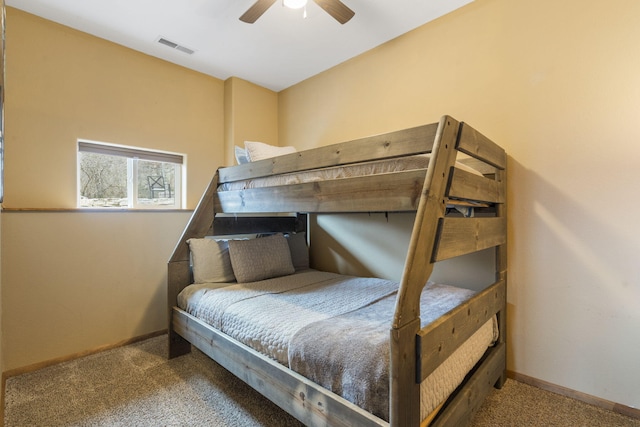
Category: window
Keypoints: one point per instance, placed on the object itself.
(114, 176)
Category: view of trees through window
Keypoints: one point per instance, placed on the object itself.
(118, 181)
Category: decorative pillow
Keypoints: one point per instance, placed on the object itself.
(259, 259)
(259, 150)
(241, 155)
(299, 250)
(210, 261)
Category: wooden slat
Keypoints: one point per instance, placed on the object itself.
(461, 236)
(386, 192)
(442, 337)
(468, 186)
(394, 144)
(476, 145)
(303, 399)
(200, 222)
(462, 407)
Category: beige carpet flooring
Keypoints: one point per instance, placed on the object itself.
(137, 386)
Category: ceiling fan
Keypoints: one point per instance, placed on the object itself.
(335, 8)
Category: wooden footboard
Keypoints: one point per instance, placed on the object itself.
(316, 406)
(310, 403)
(439, 340)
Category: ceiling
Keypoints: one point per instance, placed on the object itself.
(281, 49)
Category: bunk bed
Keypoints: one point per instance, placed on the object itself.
(458, 211)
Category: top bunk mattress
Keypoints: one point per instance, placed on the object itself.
(398, 164)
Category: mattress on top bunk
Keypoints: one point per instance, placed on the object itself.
(334, 329)
(398, 164)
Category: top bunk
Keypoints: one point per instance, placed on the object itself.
(382, 173)
(457, 167)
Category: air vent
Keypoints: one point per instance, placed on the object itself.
(176, 46)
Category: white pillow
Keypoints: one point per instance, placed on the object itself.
(210, 261)
(259, 150)
(262, 258)
(241, 155)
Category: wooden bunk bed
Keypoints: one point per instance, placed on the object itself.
(415, 351)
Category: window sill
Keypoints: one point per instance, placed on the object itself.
(94, 210)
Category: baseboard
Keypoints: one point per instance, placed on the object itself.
(577, 395)
(40, 365)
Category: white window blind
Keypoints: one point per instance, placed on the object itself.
(135, 153)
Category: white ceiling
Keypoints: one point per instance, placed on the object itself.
(279, 50)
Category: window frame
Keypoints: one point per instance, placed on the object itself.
(133, 156)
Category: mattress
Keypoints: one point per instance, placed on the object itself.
(399, 164)
(284, 317)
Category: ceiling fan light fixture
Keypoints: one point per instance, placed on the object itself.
(294, 4)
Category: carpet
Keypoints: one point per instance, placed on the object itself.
(136, 385)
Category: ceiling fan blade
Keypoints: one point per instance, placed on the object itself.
(256, 11)
(338, 10)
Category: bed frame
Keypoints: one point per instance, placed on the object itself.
(436, 236)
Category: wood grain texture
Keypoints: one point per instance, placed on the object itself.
(416, 140)
(395, 192)
(256, 11)
(461, 236)
(467, 186)
(305, 400)
(435, 236)
(502, 268)
(200, 223)
(179, 277)
(404, 405)
(480, 147)
(431, 208)
(464, 404)
(404, 411)
(338, 10)
(442, 337)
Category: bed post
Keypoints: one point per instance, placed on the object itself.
(179, 269)
(404, 407)
(501, 271)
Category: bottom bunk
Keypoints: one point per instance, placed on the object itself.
(318, 343)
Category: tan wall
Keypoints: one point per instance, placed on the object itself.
(557, 85)
(74, 281)
(251, 114)
(77, 281)
(63, 85)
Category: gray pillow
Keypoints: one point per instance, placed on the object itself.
(299, 250)
(210, 261)
(259, 259)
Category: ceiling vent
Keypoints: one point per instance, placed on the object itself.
(176, 46)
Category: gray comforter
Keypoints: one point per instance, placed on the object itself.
(349, 354)
(333, 329)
